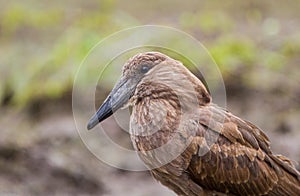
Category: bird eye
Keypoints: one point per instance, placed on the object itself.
(145, 68)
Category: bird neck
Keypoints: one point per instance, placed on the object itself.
(155, 107)
(159, 102)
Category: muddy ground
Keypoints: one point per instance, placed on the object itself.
(41, 152)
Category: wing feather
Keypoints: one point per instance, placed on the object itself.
(238, 159)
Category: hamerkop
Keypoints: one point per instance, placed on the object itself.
(190, 144)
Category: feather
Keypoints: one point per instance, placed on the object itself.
(221, 154)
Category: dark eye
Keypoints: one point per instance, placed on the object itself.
(145, 68)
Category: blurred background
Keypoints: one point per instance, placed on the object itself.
(256, 45)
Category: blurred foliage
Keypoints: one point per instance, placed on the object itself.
(256, 45)
(230, 53)
(43, 45)
(45, 66)
(210, 22)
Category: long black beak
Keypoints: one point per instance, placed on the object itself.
(103, 113)
(118, 97)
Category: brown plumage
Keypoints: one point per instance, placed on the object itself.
(191, 145)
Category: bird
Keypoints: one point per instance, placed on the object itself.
(190, 144)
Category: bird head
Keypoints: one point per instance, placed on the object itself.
(140, 69)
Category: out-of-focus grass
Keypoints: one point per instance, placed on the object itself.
(256, 45)
(42, 45)
(42, 48)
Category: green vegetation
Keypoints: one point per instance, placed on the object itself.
(255, 43)
(42, 46)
